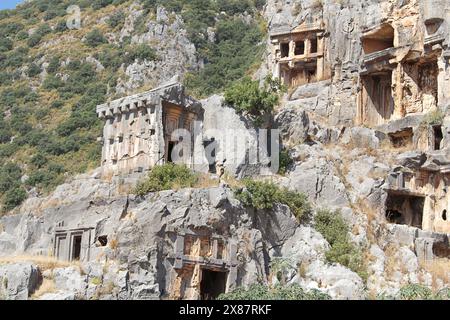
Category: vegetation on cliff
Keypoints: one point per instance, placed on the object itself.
(264, 195)
(336, 231)
(52, 77)
(167, 177)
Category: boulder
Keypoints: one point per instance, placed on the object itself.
(18, 281)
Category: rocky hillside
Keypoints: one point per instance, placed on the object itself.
(58, 62)
(358, 209)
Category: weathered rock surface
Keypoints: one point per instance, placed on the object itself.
(18, 281)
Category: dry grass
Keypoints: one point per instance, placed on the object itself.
(47, 286)
(43, 262)
(391, 262)
(114, 243)
(387, 145)
(205, 181)
(439, 268)
(231, 181)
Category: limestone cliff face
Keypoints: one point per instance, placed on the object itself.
(378, 157)
(143, 236)
(177, 54)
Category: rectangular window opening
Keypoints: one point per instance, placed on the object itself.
(299, 48)
(76, 247)
(213, 284)
(405, 209)
(438, 137)
(284, 48)
(313, 45)
(402, 138)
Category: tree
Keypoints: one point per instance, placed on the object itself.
(247, 97)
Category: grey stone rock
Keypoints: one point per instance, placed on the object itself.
(60, 295)
(361, 138)
(70, 279)
(412, 159)
(18, 281)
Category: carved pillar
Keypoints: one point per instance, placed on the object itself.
(291, 49)
(179, 252)
(85, 245)
(321, 60)
(232, 275)
(307, 47)
(397, 81)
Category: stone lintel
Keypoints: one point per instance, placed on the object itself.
(404, 192)
(173, 93)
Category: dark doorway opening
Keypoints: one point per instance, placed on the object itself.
(380, 39)
(405, 209)
(103, 240)
(394, 216)
(438, 137)
(403, 138)
(441, 249)
(213, 284)
(170, 150)
(313, 45)
(284, 47)
(76, 247)
(377, 97)
(210, 150)
(299, 48)
(444, 215)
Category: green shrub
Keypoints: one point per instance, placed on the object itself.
(443, 294)
(16, 58)
(7, 150)
(61, 26)
(39, 160)
(5, 133)
(98, 4)
(14, 197)
(11, 28)
(415, 292)
(6, 44)
(5, 78)
(166, 177)
(33, 70)
(52, 82)
(37, 36)
(262, 292)
(233, 7)
(117, 20)
(336, 231)
(433, 118)
(110, 57)
(10, 175)
(263, 195)
(285, 162)
(53, 65)
(22, 35)
(141, 52)
(247, 97)
(237, 48)
(95, 38)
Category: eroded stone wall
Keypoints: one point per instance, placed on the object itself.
(138, 131)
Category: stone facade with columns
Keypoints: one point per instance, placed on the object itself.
(138, 129)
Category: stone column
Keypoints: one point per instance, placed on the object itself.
(320, 60)
(397, 83)
(424, 249)
(179, 252)
(232, 275)
(307, 47)
(291, 49)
